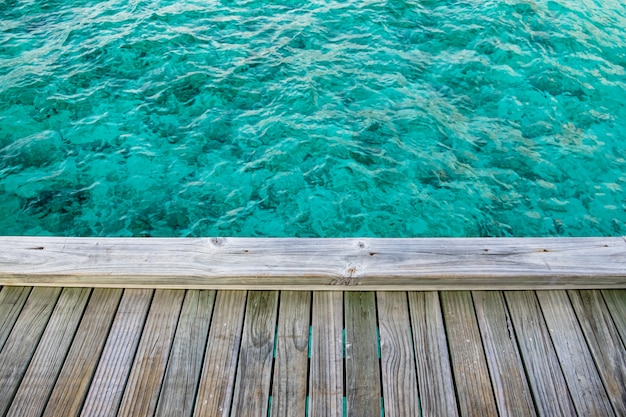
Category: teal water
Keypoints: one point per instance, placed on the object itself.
(312, 118)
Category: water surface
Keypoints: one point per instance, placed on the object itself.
(312, 118)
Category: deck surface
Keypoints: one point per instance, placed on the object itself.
(167, 352)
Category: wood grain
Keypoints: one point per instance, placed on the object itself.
(254, 370)
(23, 340)
(363, 391)
(144, 382)
(399, 379)
(326, 379)
(215, 391)
(545, 377)
(178, 391)
(583, 380)
(330, 264)
(80, 364)
(616, 303)
(12, 299)
(513, 395)
(56, 340)
(292, 348)
(604, 343)
(469, 365)
(107, 387)
(436, 385)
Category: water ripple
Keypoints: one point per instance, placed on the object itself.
(318, 118)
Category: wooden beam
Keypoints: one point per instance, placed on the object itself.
(315, 264)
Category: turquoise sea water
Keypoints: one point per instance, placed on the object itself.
(312, 118)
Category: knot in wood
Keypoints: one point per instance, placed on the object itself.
(218, 241)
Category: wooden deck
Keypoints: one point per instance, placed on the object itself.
(168, 352)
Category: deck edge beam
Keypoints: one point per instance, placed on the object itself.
(314, 264)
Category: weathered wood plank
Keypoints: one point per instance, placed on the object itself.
(331, 264)
(326, 379)
(469, 365)
(107, 386)
(604, 343)
(363, 390)
(436, 386)
(215, 391)
(254, 370)
(545, 377)
(513, 395)
(183, 368)
(616, 303)
(583, 381)
(47, 361)
(73, 382)
(23, 340)
(144, 382)
(12, 299)
(292, 348)
(399, 379)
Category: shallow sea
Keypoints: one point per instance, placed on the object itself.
(313, 118)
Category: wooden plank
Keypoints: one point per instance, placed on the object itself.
(107, 386)
(292, 348)
(616, 303)
(144, 382)
(583, 381)
(544, 373)
(215, 391)
(330, 264)
(12, 299)
(436, 386)
(39, 379)
(183, 369)
(363, 390)
(326, 380)
(508, 379)
(23, 340)
(217, 381)
(604, 343)
(474, 391)
(254, 370)
(399, 378)
(73, 382)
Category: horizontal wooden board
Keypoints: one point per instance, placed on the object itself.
(318, 264)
